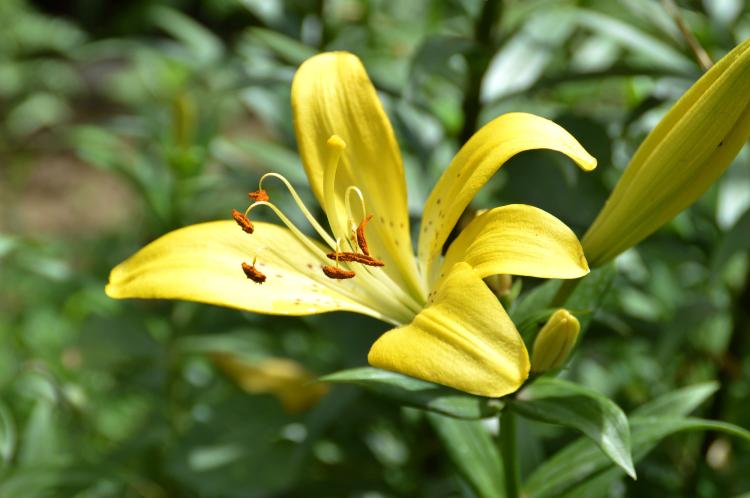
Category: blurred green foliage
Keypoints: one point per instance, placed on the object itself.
(120, 122)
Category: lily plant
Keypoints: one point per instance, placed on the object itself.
(449, 328)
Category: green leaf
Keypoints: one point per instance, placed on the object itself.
(473, 452)
(267, 155)
(533, 309)
(677, 403)
(647, 432)
(7, 435)
(418, 393)
(290, 50)
(649, 49)
(735, 240)
(561, 402)
(580, 468)
(589, 295)
(203, 45)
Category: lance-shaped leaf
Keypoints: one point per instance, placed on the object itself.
(418, 393)
(473, 452)
(561, 402)
(581, 463)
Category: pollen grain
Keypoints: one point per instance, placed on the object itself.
(253, 273)
(259, 195)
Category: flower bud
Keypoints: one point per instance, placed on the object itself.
(554, 342)
(687, 151)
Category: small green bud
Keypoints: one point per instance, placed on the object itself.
(554, 342)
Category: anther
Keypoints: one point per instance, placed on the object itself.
(354, 257)
(337, 273)
(361, 240)
(259, 195)
(253, 273)
(243, 221)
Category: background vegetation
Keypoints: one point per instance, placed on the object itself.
(122, 120)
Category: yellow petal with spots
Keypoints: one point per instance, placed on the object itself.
(463, 339)
(519, 240)
(477, 161)
(332, 96)
(203, 263)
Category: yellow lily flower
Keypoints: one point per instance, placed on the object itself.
(693, 144)
(451, 329)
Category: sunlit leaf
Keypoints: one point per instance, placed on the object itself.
(561, 402)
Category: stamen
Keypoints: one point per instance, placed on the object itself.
(259, 195)
(306, 212)
(347, 199)
(347, 257)
(337, 273)
(253, 273)
(315, 249)
(361, 240)
(243, 221)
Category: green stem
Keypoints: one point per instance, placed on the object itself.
(509, 453)
(479, 60)
(564, 292)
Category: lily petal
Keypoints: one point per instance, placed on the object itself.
(477, 161)
(332, 95)
(519, 240)
(463, 339)
(203, 263)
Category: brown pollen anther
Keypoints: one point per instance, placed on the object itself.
(337, 273)
(259, 195)
(354, 257)
(243, 221)
(253, 273)
(361, 240)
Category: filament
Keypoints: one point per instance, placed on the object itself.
(286, 221)
(347, 198)
(306, 212)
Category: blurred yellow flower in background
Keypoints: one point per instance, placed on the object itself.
(286, 379)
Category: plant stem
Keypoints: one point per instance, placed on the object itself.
(509, 453)
(479, 60)
(564, 292)
(700, 54)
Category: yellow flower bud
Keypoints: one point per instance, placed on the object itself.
(555, 341)
(687, 151)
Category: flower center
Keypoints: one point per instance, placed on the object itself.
(350, 255)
